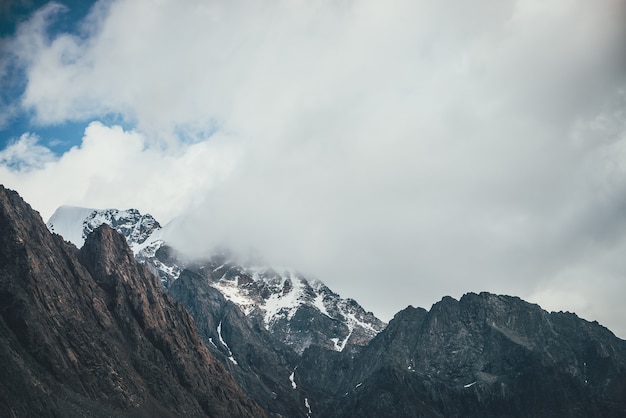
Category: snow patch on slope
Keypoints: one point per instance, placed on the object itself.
(286, 302)
(232, 292)
(292, 379)
(318, 302)
(230, 353)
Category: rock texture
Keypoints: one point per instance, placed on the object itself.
(485, 355)
(90, 332)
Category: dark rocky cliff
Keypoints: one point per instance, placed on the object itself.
(91, 333)
(485, 355)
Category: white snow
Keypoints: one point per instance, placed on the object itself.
(308, 407)
(172, 271)
(292, 379)
(469, 385)
(279, 303)
(318, 302)
(230, 353)
(353, 321)
(358, 385)
(67, 221)
(339, 346)
(234, 294)
(151, 244)
(218, 268)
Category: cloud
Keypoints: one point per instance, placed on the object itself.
(116, 168)
(399, 151)
(25, 154)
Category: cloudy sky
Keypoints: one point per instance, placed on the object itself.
(399, 151)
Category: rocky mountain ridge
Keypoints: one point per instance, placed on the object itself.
(295, 309)
(484, 355)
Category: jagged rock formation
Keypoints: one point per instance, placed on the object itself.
(484, 355)
(90, 332)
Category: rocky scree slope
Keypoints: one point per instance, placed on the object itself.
(90, 332)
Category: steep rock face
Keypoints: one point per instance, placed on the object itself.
(259, 362)
(91, 333)
(484, 355)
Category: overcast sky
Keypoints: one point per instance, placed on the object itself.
(399, 151)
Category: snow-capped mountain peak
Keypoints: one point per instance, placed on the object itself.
(300, 311)
(75, 223)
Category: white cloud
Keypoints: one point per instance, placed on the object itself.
(117, 168)
(399, 150)
(25, 154)
(598, 295)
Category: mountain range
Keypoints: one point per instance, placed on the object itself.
(108, 319)
(282, 300)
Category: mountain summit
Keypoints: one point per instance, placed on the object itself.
(75, 224)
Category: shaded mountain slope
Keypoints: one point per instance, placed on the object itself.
(90, 332)
(485, 355)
